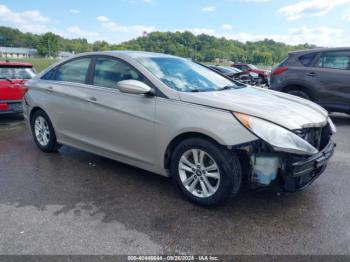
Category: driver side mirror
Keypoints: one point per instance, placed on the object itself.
(134, 87)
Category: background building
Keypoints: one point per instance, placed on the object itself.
(17, 52)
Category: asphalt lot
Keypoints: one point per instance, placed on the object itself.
(75, 202)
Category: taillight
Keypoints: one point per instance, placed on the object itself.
(279, 70)
(4, 106)
(24, 90)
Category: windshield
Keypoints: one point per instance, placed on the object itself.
(184, 75)
(252, 66)
(16, 72)
(225, 70)
(231, 69)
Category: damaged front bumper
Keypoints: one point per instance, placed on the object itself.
(285, 171)
(302, 173)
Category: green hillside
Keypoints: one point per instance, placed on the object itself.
(202, 47)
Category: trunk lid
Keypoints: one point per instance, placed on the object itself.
(12, 78)
(11, 90)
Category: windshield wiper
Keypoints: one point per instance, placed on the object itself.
(238, 86)
(227, 88)
(195, 90)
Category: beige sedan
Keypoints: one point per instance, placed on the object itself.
(178, 118)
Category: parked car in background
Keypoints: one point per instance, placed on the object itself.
(236, 74)
(263, 74)
(319, 75)
(180, 119)
(13, 75)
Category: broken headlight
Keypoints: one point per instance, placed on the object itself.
(278, 137)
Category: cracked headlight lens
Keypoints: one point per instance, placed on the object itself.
(278, 137)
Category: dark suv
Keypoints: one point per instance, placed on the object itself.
(320, 75)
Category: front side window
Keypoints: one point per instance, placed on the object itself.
(10, 72)
(184, 75)
(334, 60)
(73, 71)
(108, 72)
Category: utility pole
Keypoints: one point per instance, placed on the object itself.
(49, 48)
(194, 52)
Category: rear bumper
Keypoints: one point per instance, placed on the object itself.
(11, 106)
(303, 173)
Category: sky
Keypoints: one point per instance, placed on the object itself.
(320, 22)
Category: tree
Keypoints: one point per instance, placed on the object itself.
(48, 45)
(204, 48)
(100, 46)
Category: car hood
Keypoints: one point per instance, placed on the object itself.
(286, 110)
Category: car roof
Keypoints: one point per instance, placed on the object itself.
(136, 54)
(320, 49)
(14, 64)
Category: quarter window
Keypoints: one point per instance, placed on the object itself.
(74, 71)
(50, 75)
(306, 60)
(108, 72)
(335, 60)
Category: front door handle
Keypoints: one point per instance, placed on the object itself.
(49, 89)
(93, 99)
(312, 74)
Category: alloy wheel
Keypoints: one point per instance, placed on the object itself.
(199, 173)
(42, 131)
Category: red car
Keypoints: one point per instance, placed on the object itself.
(263, 74)
(13, 75)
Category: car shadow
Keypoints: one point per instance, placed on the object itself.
(10, 119)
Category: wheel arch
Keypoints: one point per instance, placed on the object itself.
(33, 111)
(300, 87)
(178, 139)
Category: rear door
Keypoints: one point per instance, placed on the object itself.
(66, 101)
(331, 74)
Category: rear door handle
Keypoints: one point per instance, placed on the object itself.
(312, 74)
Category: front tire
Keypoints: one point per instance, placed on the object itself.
(43, 132)
(205, 172)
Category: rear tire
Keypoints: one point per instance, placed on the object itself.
(205, 172)
(43, 132)
(299, 93)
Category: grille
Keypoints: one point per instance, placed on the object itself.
(317, 137)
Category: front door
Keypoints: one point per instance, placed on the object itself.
(123, 124)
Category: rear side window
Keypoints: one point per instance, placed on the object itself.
(108, 72)
(307, 59)
(73, 71)
(335, 60)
